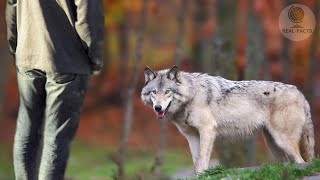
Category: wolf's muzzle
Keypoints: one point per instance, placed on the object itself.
(158, 108)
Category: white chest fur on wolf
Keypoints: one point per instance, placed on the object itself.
(204, 107)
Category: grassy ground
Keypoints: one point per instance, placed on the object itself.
(278, 171)
(89, 161)
(6, 167)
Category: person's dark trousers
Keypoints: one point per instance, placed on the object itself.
(52, 101)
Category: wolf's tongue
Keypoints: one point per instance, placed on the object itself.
(160, 114)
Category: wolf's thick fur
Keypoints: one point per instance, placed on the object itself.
(204, 107)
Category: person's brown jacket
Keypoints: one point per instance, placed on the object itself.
(55, 35)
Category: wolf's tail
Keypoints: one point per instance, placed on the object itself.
(307, 136)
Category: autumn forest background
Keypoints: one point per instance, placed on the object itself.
(120, 137)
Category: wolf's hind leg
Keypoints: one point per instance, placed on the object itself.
(307, 142)
(283, 148)
(276, 151)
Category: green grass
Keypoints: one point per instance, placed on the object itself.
(6, 166)
(288, 171)
(88, 161)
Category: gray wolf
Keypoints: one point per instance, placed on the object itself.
(56, 46)
(204, 107)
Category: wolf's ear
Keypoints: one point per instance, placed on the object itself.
(174, 74)
(149, 75)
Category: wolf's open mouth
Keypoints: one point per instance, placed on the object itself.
(161, 114)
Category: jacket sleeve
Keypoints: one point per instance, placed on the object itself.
(11, 21)
(90, 25)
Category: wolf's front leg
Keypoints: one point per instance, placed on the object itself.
(207, 136)
(194, 145)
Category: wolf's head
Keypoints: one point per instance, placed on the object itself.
(160, 89)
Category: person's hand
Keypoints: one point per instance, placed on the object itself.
(96, 66)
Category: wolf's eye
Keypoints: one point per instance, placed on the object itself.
(167, 92)
(154, 92)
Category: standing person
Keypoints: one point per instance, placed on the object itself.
(56, 46)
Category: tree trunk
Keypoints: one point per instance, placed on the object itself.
(313, 55)
(123, 52)
(285, 53)
(254, 52)
(273, 39)
(128, 106)
(241, 43)
(199, 17)
(231, 153)
(313, 93)
(4, 58)
(181, 32)
(156, 168)
(255, 56)
(224, 40)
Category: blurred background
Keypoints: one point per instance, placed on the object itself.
(120, 137)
